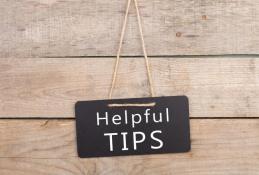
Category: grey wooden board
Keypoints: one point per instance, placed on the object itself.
(41, 28)
(219, 146)
(49, 87)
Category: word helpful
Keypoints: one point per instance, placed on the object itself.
(132, 119)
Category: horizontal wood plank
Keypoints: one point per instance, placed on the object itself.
(40, 28)
(217, 87)
(218, 147)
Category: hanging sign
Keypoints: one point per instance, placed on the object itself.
(132, 126)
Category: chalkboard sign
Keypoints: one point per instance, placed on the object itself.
(132, 126)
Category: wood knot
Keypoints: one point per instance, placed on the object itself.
(45, 123)
(178, 34)
(204, 17)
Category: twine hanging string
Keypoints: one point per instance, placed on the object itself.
(143, 48)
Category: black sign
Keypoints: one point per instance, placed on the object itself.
(132, 126)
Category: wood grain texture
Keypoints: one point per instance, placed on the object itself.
(218, 147)
(216, 87)
(50, 28)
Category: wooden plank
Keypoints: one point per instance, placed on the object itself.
(40, 28)
(219, 146)
(128, 165)
(218, 87)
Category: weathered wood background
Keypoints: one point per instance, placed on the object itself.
(54, 53)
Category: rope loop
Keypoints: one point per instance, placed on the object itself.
(143, 48)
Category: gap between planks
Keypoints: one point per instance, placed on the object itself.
(73, 118)
(164, 56)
